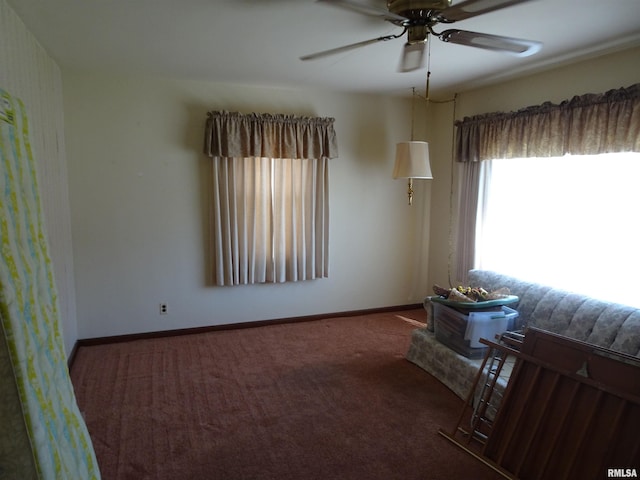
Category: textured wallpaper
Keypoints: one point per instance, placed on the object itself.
(27, 72)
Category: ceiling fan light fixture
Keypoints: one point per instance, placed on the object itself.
(412, 57)
(417, 34)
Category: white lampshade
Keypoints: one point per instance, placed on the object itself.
(412, 160)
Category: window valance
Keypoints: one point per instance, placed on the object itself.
(232, 134)
(585, 125)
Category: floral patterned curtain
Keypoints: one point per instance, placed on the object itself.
(236, 135)
(585, 125)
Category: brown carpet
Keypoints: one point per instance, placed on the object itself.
(326, 399)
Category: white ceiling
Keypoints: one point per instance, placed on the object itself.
(260, 41)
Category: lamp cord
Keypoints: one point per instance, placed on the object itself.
(453, 163)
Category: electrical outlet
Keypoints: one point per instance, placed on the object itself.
(164, 309)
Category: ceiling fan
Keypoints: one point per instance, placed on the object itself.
(418, 19)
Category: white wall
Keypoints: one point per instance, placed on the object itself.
(597, 75)
(139, 187)
(27, 72)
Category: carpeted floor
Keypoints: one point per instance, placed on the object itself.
(325, 399)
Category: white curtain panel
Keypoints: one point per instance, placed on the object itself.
(300, 219)
(270, 220)
(240, 213)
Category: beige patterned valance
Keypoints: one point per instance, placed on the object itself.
(232, 134)
(585, 125)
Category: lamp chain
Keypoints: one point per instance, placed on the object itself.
(413, 110)
(426, 88)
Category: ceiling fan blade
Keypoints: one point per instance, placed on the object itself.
(472, 8)
(364, 8)
(346, 48)
(412, 57)
(515, 46)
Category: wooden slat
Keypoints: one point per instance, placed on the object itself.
(581, 435)
(553, 444)
(615, 427)
(532, 436)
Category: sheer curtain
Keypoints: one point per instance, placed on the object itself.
(270, 209)
(585, 125)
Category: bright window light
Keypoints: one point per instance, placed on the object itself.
(569, 222)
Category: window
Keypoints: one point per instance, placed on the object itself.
(590, 124)
(569, 222)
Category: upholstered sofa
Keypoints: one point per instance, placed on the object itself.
(605, 324)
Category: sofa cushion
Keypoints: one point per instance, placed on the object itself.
(554, 310)
(606, 326)
(584, 318)
(628, 336)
